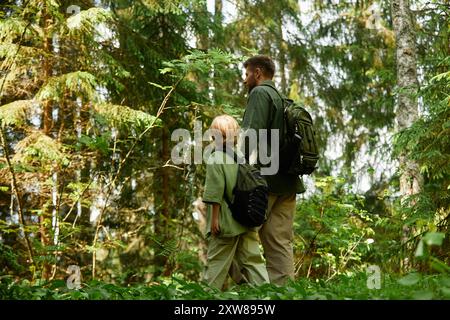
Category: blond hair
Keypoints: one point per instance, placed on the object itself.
(228, 127)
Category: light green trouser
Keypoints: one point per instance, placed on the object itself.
(244, 250)
(276, 236)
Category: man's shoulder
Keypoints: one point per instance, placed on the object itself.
(262, 88)
(265, 89)
(260, 94)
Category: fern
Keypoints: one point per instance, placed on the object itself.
(8, 51)
(124, 117)
(88, 20)
(168, 248)
(165, 7)
(75, 82)
(39, 149)
(11, 29)
(15, 113)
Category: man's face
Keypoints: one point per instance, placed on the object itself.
(250, 78)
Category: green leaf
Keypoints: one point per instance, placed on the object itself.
(124, 117)
(410, 279)
(15, 113)
(434, 238)
(38, 147)
(160, 86)
(88, 20)
(166, 70)
(420, 249)
(79, 82)
(445, 292)
(439, 77)
(316, 296)
(439, 266)
(423, 295)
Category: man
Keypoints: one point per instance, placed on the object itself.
(265, 111)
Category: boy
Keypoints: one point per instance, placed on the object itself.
(228, 239)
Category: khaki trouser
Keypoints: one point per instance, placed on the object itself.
(244, 250)
(276, 236)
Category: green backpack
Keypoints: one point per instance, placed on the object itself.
(299, 153)
(300, 146)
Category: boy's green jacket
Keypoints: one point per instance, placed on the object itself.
(221, 176)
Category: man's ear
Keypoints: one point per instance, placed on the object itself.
(258, 73)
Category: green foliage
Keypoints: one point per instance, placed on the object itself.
(86, 21)
(123, 117)
(78, 91)
(10, 259)
(413, 286)
(11, 28)
(97, 143)
(15, 113)
(427, 142)
(334, 233)
(39, 149)
(203, 62)
(424, 251)
(79, 82)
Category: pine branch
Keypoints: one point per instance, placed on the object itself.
(16, 192)
(6, 150)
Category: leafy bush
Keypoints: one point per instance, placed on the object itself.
(412, 286)
(333, 231)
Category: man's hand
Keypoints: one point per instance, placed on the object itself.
(215, 228)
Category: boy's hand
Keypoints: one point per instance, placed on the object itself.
(215, 228)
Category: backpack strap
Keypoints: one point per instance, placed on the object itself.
(230, 152)
(271, 86)
(284, 129)
(271, 109)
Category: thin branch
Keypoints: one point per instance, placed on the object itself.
(347, 254)
(78, 199)
(119, 169)
(5, 148)
(16, 192)
(172, 166)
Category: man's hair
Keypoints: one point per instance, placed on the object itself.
(263, 62)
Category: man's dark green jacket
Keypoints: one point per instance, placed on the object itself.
(265, 111)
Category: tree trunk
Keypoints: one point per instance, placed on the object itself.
(47, 127)
(281, 53)
(47, 69)
(218, 21)
(411, 180)
(218, 43)
(407, 108)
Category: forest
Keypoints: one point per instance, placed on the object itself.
(92, 205)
